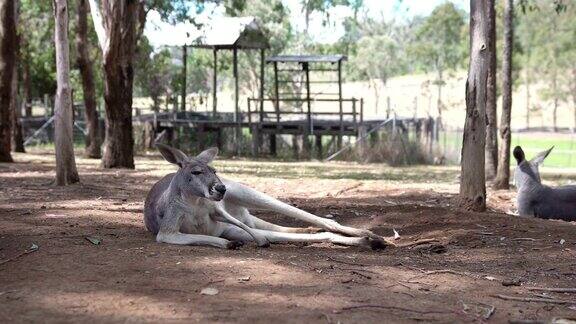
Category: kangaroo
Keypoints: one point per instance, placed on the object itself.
(536, 199)
(196, 207)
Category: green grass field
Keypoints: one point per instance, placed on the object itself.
(563, 155)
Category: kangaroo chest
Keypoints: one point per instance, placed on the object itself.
(195, 218)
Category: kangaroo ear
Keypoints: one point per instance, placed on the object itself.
(519, 154)
(171, 154)
(208, 155)
(539, 158)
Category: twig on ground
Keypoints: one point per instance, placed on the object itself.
(524, 239)
(392, 307)
(561, 290)
(348, 263)
(350, 269)
(411, 267)
(419, 242)
(18, 256)
(347, 189)
(361, 274)
(428, 273)
(535, 300)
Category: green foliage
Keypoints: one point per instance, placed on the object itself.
(439, 40)
(36, 29)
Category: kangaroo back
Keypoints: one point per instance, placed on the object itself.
(154, 207)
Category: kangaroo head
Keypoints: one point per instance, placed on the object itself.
(195, 178)
(526, 172)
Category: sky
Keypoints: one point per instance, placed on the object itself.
(160, 33)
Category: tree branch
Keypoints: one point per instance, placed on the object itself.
(99, 25)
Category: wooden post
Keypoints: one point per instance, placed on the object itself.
(355, 120)
(363, 147)
(361, 110)
(276, 109)
(276, 93)
(261, 102)
(214, 81)
(184, 63)
(46, 106)
(255, 140)
(340, 103)
(388, 107)
(319, 146)
(273, 145)
(308, 131)
(238, 133)
(262, 53)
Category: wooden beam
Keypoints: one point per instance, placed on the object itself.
(262, 65)
(276, 93)
(308, 131)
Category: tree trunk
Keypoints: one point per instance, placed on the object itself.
(93, 141)
(574, 96)
(491, 114)
(15, 112)
(503, 176)
(7, 62)
(472, 180)
(26, 88)
(116, 26)
(65, 164)
(527, 71)
(555, 101)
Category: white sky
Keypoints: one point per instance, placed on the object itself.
(161, 33)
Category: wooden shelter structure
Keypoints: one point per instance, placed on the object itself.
(306, 65)
(232, 34)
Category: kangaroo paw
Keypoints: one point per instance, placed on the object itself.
(234, 245)
(378, 244)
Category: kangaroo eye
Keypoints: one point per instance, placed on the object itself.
(196, 172)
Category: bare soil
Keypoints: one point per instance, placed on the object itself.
(129, 277)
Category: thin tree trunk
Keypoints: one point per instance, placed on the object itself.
(15, 112)
(528, 92)
(574, 96)
(116, 26)
(555, 101)
(15, 108)
(472, 183)
(503, 176)
(66, 172)
(491, 114)
(93, 141)
(26, 88)
(7, 62)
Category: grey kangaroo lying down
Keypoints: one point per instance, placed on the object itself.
(536, 199)
(195, 207)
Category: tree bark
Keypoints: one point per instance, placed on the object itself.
(15, 112)
(66, 172)
(26, 88)
(491, 107)
(503, 176)
(116, 26)
(7, 62)
(472, 183)
(15, 108)
(84, 62)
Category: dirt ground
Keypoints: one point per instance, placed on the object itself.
(50, 272)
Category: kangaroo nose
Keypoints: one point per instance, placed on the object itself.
(220, 188)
